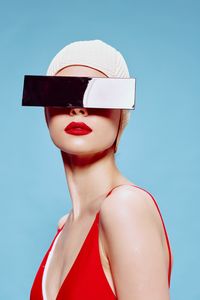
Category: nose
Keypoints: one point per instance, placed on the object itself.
(78, 110)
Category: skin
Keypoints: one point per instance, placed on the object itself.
(138, 271)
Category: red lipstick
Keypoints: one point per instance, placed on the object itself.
(77, 128)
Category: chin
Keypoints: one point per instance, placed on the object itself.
(83, 151)
(78, 150)
(80, 147)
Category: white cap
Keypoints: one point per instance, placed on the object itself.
(96, 54)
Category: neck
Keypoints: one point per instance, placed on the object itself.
(89, 178)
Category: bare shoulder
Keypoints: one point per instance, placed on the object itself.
(129, 201)
(62, 220)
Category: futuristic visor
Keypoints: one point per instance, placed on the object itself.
(70, 91)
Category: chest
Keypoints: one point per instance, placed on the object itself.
(75, 257)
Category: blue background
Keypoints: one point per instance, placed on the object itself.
(159, 149)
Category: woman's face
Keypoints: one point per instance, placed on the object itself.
(103, 122)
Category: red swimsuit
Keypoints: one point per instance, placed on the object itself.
(86, 279)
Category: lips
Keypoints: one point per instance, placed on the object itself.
(77, 125)
(77, 128)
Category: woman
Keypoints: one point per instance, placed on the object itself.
(113, 243)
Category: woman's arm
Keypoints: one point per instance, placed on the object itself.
(133, 243)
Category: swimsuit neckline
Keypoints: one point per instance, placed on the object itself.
(84, 242)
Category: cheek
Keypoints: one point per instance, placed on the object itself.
(56, 126)
(106, 130)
